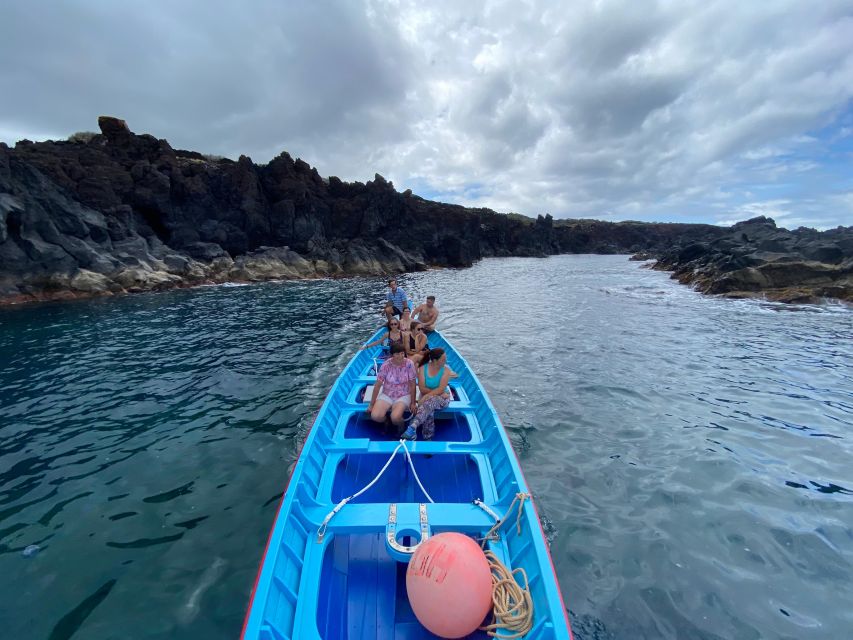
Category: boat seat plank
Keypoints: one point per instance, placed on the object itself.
(362, 390)
(363, 518)
(364, 445)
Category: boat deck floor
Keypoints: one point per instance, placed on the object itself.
(363, 589)
(331, 573)
(364, 595)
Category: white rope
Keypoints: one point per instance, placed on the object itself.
(378, 475)
(322, 530)
(412, 465)
(486, 508)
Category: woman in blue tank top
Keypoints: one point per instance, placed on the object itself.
(433, 377)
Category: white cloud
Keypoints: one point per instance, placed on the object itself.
(616, 108)
(808, 212)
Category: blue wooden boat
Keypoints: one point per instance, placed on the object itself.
(342, 574)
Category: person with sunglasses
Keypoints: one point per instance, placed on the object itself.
(416, 341)
(390, 337)
(406, 320)
(417, 338)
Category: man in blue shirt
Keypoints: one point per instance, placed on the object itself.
(397, 297)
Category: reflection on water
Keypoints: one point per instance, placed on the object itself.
(690, 456)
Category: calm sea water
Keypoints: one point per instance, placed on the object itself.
(691, 457)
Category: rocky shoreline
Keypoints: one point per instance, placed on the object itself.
(755, 258)
(115, 212)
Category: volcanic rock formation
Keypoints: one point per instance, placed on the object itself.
(118, 212)
(755, 257)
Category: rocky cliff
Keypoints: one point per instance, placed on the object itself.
(119, 212)
(756, 258)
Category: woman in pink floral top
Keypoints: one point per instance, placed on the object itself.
(395, 387)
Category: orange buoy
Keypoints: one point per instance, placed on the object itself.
(449, 583)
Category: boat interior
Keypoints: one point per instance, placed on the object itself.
(346, 578)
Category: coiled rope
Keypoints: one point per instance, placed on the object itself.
(512, 605)
(512, 613)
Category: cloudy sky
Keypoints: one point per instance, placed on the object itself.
(706, 111)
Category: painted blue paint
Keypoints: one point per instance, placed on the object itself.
(346, 584)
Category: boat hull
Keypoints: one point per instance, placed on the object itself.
(347, 579)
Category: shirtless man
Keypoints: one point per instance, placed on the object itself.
(428, 314)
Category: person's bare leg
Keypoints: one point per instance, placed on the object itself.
(397, 415)
(379, 410)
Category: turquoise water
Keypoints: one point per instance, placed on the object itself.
(690, 456)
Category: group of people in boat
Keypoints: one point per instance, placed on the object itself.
(415, 377)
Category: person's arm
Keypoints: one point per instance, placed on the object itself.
(422, 383)
(375, 395)
(376, 388)
(374, 343)
(413, 397)
(442, 386)
(435, 318)
(416, 311)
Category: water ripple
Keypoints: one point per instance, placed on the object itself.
(689, 455)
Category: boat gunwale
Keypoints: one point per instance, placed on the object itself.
(263, 579)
